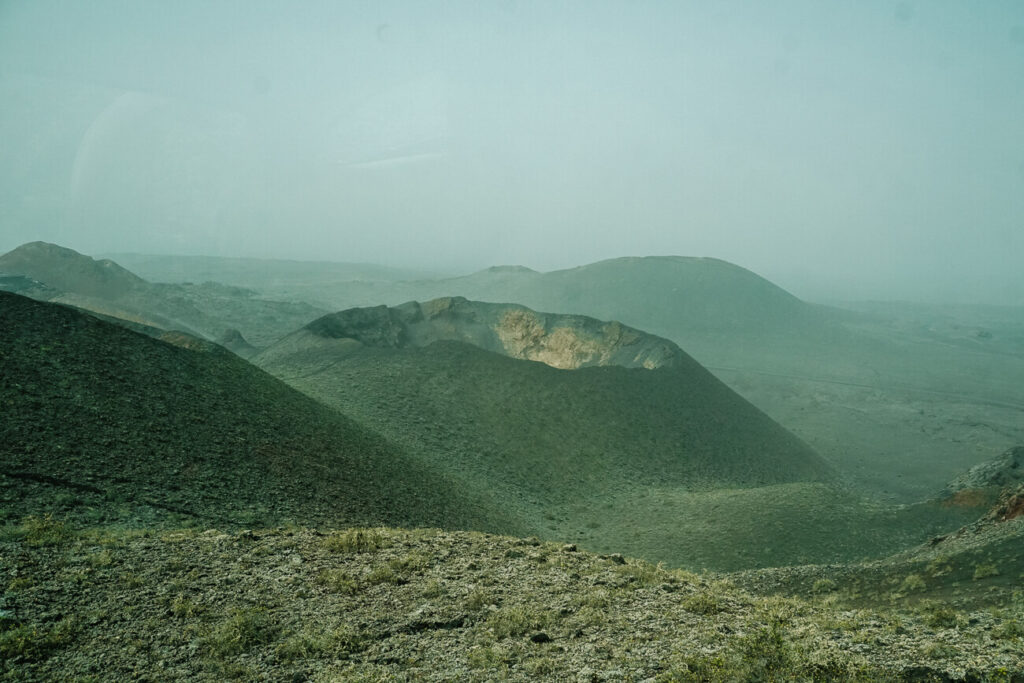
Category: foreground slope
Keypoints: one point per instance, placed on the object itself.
(388, 604)
(93, 411)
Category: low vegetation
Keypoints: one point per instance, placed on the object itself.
(383, 604)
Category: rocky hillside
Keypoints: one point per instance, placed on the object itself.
(979, 564)
(988, 479)
(95, 412)
(561, 341)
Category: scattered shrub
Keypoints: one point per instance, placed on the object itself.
(541, 666)
(338, 581)
(299, 646)
(477, 599)
(132, 580)
(411, 563)
(984, 571)
(940, 651)
(704, 602)
(356, 541)
(489, 658)
(765, 652)
(940, 616)
(640, 573)
(104, 558)
(347, 640)
(434, 589)
(338, 642)
(34, 643)
(44, 531)
(21, 583)
(183, 607)
(592, 616)
(385, 574)
(515, 621)
(913, 583)
(1011, 629)
(938, 567)
(242, 631)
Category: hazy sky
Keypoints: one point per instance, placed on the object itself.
(835, 147)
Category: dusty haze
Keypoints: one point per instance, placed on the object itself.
(844, 150)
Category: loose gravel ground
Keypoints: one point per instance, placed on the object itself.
(386, 604)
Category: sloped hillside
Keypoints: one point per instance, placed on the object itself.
(676, 424)
(897, 407)
(979, 564)
(660, 463)
(93, 412)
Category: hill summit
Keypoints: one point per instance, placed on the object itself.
(68, 270)
(562, 341)
(48, 272)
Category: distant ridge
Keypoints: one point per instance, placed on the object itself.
(48, 272)
(655, 291)
(677, 297)
(263, 274)
(70, 271)
(510, 269)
